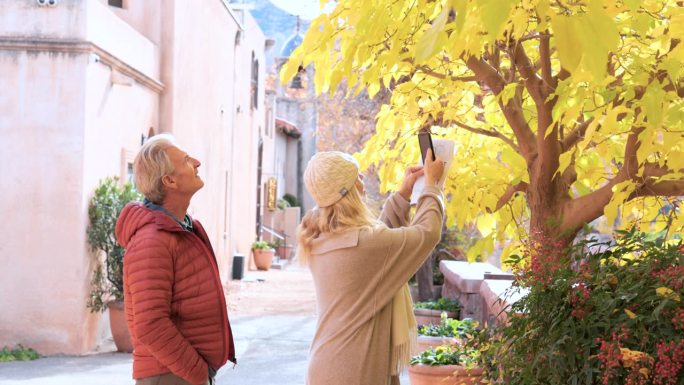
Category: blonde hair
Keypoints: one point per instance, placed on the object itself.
(348, 212)
(151, 164)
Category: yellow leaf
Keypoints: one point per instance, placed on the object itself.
(630, 314)
(486, 223)
(667, 293)
(289, 70)
(569, 46)
(599, 36)
(428, 44)
(494, 14)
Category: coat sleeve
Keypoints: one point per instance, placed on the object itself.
(395, 212)
(409, 246)
(149, 275)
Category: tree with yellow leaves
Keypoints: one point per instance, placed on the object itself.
(562, 111)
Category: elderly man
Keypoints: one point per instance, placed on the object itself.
(174, 301)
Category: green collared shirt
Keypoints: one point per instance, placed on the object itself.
(186, 223)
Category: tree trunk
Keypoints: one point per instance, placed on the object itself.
(424, 278)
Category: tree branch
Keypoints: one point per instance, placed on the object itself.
(480, 131)
(512, 189)
(545, 58)
(512, 110)
(486, 74)
(561, 75)
(532, 81)
(577, 212)
(428, 71)
(664, 188)
(575, 135)
(548, 148)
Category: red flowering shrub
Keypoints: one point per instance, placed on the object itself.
(611, 316)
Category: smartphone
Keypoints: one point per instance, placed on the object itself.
(425, 142)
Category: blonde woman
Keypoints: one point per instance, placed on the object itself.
(360, 267)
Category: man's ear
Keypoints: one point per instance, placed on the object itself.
(168, 181)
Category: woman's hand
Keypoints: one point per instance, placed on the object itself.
(412, 174)
(433, 169)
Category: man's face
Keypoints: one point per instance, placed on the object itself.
(185, 178)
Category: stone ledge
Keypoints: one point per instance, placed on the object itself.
(467, 276)
(493, 295)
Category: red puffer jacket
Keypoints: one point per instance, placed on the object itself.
(174, 302)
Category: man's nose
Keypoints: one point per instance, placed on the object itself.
(197, 162)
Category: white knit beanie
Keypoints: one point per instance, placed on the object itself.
(329, 176)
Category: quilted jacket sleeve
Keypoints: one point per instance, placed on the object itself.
(149, 274)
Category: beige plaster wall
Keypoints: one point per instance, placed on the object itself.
(207, 109)
(27, 18)
(107, 30)
(248, 126)
(143, 16)
(43, 253)
(82, 82)
(64, 127)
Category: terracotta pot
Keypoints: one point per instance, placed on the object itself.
(427, 316)
(285, 251)
(117, 323)
(263, 258)
(444, 375)
(426, 342)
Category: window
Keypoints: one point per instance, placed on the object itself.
(129, 172)
(116, 3)
(254, 89)
(127, 158)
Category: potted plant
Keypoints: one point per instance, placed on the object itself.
(283, 250)
(430, 312)
(291, 200)
(448, 331)
(445, 365)
(107, 282)
(263, 254)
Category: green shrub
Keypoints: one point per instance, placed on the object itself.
(103, 211)
(611, 316)
(446, 355)
(261, 245)
(291, 200)
(449, 328)
(19, 353)
(443, 304)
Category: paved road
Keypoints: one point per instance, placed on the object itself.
(271, 349)
(273, 321)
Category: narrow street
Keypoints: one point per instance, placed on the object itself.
(273, 318)
(272, 314)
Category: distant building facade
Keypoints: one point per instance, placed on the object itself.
(84, 83)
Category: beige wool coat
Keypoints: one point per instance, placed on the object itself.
(357, 274)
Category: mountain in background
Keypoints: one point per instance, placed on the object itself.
(276, 24)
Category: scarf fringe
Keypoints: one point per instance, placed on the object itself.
(404, 333)
(401, 354)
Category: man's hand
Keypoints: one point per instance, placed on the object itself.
(410, 177)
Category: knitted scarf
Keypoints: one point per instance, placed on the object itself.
(404, 331)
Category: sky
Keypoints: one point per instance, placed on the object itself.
(307, 9)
